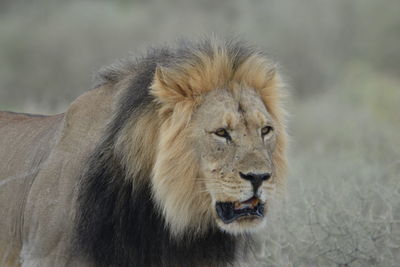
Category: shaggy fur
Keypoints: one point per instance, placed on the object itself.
(132, 212)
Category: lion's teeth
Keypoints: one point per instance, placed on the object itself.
(255, 201)
(238, 205)
(241, 206)
(251, 203)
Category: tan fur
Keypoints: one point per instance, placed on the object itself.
(40, 161)
(10, 258)
(136, 148)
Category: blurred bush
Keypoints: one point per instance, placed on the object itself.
(50, 49)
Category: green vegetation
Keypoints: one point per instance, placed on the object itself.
(341, 61)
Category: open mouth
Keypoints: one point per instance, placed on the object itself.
(231, 211)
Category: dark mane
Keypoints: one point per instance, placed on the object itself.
(117, 223)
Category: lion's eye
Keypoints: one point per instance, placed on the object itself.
(223, 133)
(266, 130)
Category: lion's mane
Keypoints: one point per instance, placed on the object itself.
(126, 215)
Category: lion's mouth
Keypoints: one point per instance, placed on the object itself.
(231, 211)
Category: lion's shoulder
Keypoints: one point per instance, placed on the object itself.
(85, 119)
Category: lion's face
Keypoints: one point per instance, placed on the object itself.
(234, 140)
(220, 140)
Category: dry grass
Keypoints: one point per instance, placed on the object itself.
(343, 206)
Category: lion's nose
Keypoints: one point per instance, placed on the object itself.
(256, 179)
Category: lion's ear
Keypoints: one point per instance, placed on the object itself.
(272, 74)
(169, 86)
(161, 76)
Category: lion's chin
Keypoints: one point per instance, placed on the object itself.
(240, 217)
(242, 225)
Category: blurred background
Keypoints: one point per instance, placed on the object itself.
(341, 60)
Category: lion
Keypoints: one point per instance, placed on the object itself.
(171, 160)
